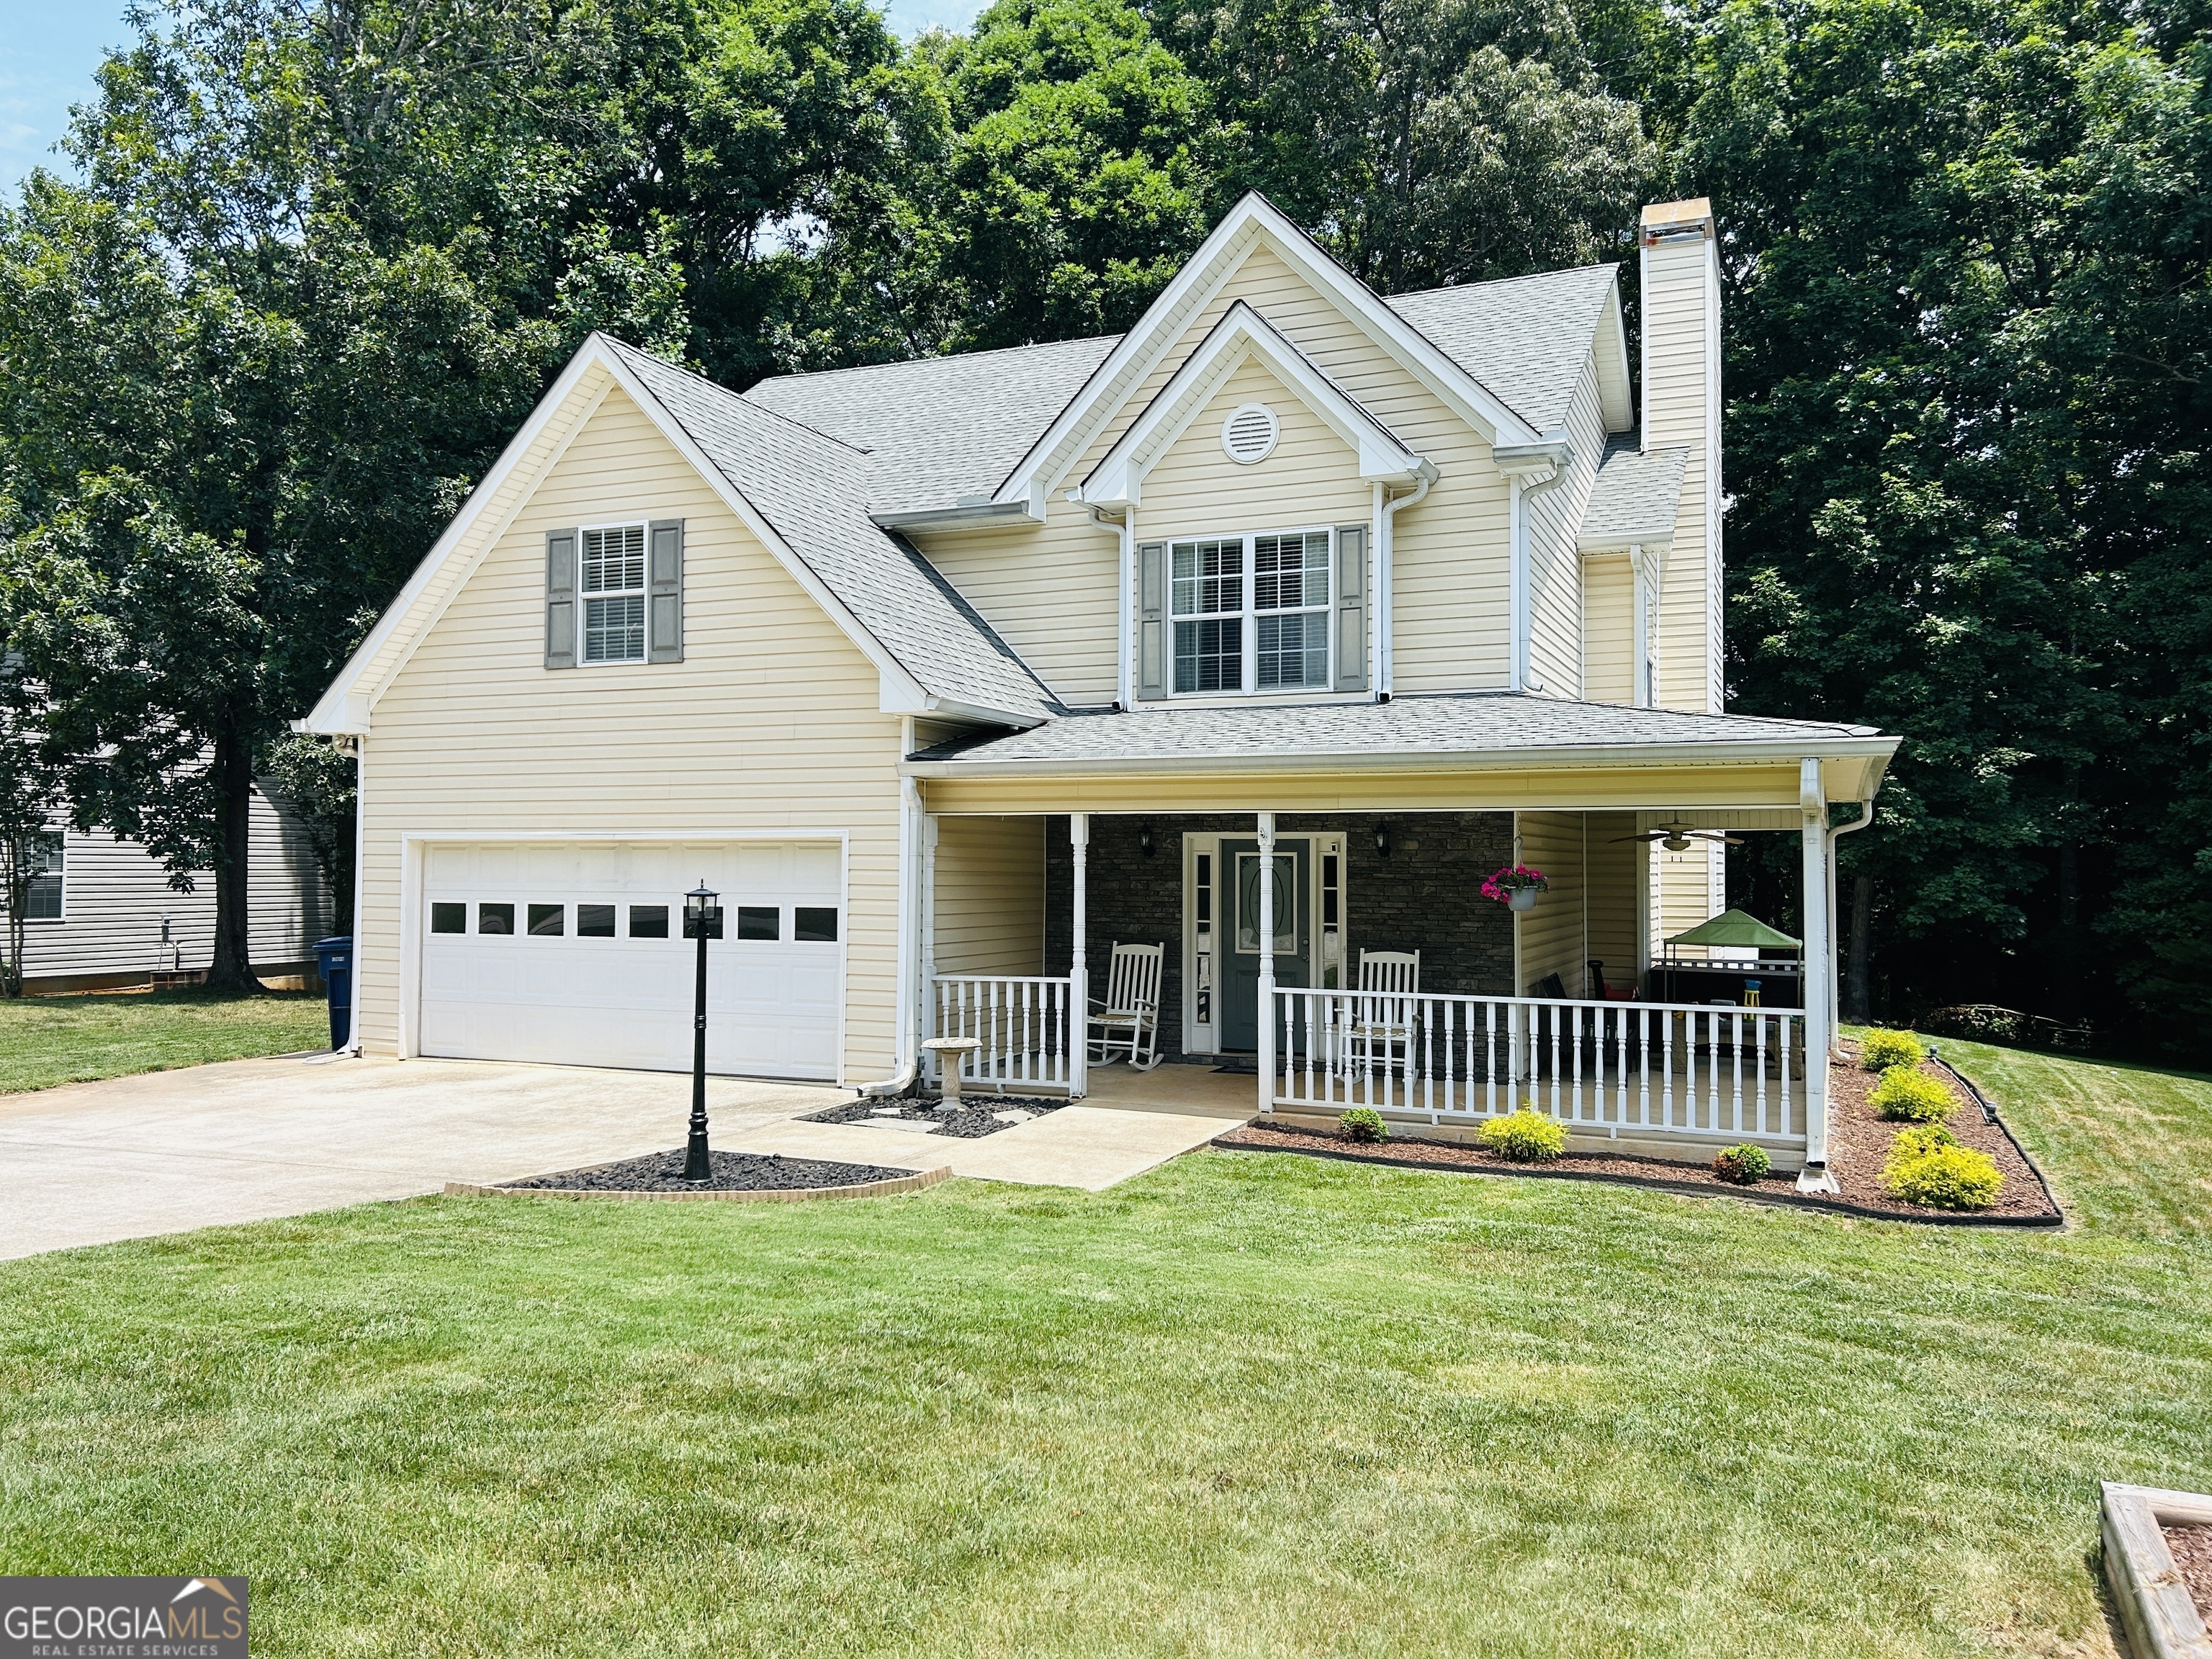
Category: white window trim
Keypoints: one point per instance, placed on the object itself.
(1248, 617)
(643, 591)
(61, 835)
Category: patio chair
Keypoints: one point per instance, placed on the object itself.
(1126, 1020)
(1382, 1011)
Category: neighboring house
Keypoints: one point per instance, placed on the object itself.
(102, 915)
(949, 674)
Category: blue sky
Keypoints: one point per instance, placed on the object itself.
(49, 49)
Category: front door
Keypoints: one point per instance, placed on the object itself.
(1293, 904)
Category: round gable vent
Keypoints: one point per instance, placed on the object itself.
(1249, 433)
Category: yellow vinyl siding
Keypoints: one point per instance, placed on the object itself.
(1552, 937)
(1682, 889)
(990, 896)
(1311, 479)
(1608, 629)
(1679, 410)
(1613, 869)
(1051, 593)
(770, 723)
(1555, 620)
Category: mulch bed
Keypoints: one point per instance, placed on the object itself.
(1858, 1141)
(2192, 1553)
(734, 1172)
(976, 1117)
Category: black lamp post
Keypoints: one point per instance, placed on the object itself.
(702, 921)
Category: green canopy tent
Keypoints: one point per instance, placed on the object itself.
(1739, 928)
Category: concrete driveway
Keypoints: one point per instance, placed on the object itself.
(166, 1151)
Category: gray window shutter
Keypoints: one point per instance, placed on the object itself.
(1151, 620)
(560, 598)
(663, 592)
(1351, 607)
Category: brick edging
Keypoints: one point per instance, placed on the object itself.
(905, 1183)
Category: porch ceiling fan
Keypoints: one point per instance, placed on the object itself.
(1677, 837)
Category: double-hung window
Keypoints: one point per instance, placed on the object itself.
(614, 593)
(1251, 613)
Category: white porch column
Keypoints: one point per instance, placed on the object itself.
(1079, 967)
(1819, 1012)
(1266, 962)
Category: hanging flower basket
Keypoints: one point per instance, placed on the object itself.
(1515, 887)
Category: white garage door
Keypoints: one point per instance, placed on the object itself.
(573, 953)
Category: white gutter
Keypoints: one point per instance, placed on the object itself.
(1386, 545)
(1530, 470)
(907, 1054)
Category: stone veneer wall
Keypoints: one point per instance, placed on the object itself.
(1426, 896)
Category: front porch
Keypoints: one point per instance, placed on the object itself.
(1561, 1008)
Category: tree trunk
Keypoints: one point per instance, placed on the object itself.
(1858, 1000)
(232, 967)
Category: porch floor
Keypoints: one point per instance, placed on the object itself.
(1188, 1088)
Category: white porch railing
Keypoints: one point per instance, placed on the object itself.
(1619, 1068)
(1022, 1024)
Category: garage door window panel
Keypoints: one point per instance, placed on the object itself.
(548, 921)
(759, 922)
(595, 922)
(494, 918)
(648, 921)
(814, 925)
(449, 918)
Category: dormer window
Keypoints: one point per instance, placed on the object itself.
(1251, 612)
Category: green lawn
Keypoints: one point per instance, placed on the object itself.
(45, 1040)
(1248, 1405)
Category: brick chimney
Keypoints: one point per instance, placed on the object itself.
(1679, 266)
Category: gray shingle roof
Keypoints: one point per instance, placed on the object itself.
(813, 489)
(1635, 497)
(939, 428)
(1525, 337)
(1468, 723)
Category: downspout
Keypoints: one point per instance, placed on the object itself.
(1835, 974)
(1386, 548)
(1125, 690)
(360, 845)
(907, 1051)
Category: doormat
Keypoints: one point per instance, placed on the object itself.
(1239, 1067)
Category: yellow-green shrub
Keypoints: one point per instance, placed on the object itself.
(1948, 1178)
(1919, 1141)
(1881, 1049)
(1905, 1096)
(1523, 1136)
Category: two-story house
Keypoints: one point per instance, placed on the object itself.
(1262, 634)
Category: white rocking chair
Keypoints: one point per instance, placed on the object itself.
(1382, 1013)
(1126, 1020)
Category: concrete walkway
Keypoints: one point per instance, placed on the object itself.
(166, 1151)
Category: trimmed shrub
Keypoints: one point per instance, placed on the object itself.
(1919, 1141)
(1744, 1164)
(1523, 1136)
(1948, 1178)
(1880, 1048)
(1906, 1095)
(1363, 1123)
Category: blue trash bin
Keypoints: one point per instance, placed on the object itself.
(334, 960)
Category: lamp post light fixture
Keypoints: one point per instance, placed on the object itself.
(702, 921)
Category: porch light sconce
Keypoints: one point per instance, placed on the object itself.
(1382, 840)
(1144, 839)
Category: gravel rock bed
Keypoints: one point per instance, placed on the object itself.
(1858, 1141)
(734, 1172)
(976, 1117)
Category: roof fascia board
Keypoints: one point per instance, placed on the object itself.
(348, 699)
(1654, 541)
(1253, 222)
(1242, 334)
(1611, 350)
(992, 515)
(1764, 751)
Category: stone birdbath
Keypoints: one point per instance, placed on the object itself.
(951, 1052)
